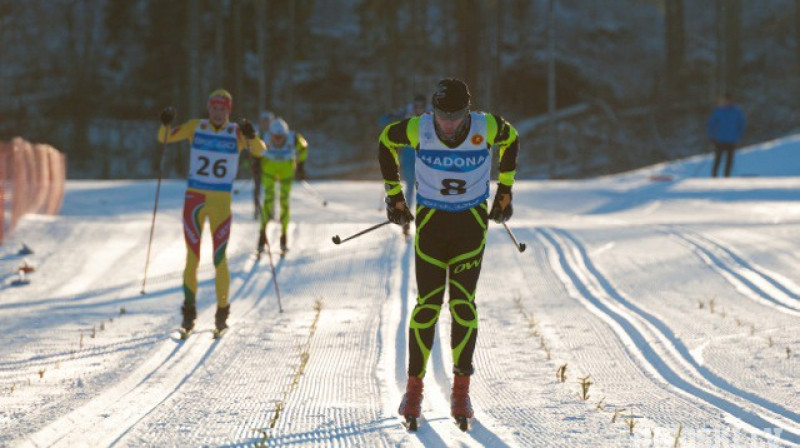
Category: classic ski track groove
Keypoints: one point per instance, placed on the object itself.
(336, 402)
(753, 281)
(175, 357)
(597, 294)
(586, 344)
(553, 419)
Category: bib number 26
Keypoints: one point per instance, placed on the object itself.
(453, 187)
(219, 169)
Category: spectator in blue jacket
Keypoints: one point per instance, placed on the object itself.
(725, 128)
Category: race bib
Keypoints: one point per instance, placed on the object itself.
(213, 158)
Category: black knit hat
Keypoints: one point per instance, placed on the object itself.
(452, 95)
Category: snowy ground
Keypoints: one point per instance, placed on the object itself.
(676, 295)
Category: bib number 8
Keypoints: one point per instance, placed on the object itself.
(219, 169)
(453, 187)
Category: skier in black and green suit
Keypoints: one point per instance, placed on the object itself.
(453, 162)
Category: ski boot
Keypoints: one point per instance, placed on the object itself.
(189, 315)
(411, 406)
(284, 248)
(460, 404)
(221, 321)
(262, 241)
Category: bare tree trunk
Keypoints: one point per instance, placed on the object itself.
(551, 86)
(729, 24)
(469, 42)
(219, 45)
(388, 13)
(81, 24)
(290, 63)
(797, 32)
(193, 42)
(238, 57)
(675, 43)
(733, 28)
(261, 48)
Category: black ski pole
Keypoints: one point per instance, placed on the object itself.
(337, 240)
(520, 246)
(314, 192)
(155, 206)
(271, 263)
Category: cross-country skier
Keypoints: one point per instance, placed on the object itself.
(214, 159)
(453, 163)
(283, 161)
(264, 120)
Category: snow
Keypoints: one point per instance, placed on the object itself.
(675, 294)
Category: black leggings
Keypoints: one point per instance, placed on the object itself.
(719, 149)
(449, 250)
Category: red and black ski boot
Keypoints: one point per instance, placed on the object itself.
(460, 404)
(189, 315)
(411, 406)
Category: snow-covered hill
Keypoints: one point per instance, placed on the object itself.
(675, 295)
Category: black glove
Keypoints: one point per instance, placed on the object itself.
(300, 172)
(247, 129)
(399, 216)
(499, 214)
(167, 115)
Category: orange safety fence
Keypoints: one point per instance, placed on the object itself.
(32, 180)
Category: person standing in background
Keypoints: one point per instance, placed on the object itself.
(725, 129)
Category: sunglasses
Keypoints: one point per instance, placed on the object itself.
(451, 116)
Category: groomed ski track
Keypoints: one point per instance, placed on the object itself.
(330, 369)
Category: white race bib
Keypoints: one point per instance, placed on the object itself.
(453, 179)
(284, 153)
(213, 158)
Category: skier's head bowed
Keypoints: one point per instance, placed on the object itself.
(451, 105)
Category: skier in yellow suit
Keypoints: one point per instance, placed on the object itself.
(214, 159)
(283, 161)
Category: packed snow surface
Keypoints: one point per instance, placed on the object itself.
(666, 301)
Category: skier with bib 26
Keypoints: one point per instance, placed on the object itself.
(453, 161)
(215, 144)
(283, 161)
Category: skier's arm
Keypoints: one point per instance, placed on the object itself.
(178, 133)
(394, 137)
(502, 134)
(255, 145)
(301, 146)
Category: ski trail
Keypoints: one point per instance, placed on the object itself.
(294, 382)
(107, 417)
(481, 432)
(751, 280)
(430, 432)
(589, 287)
(676, 345)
